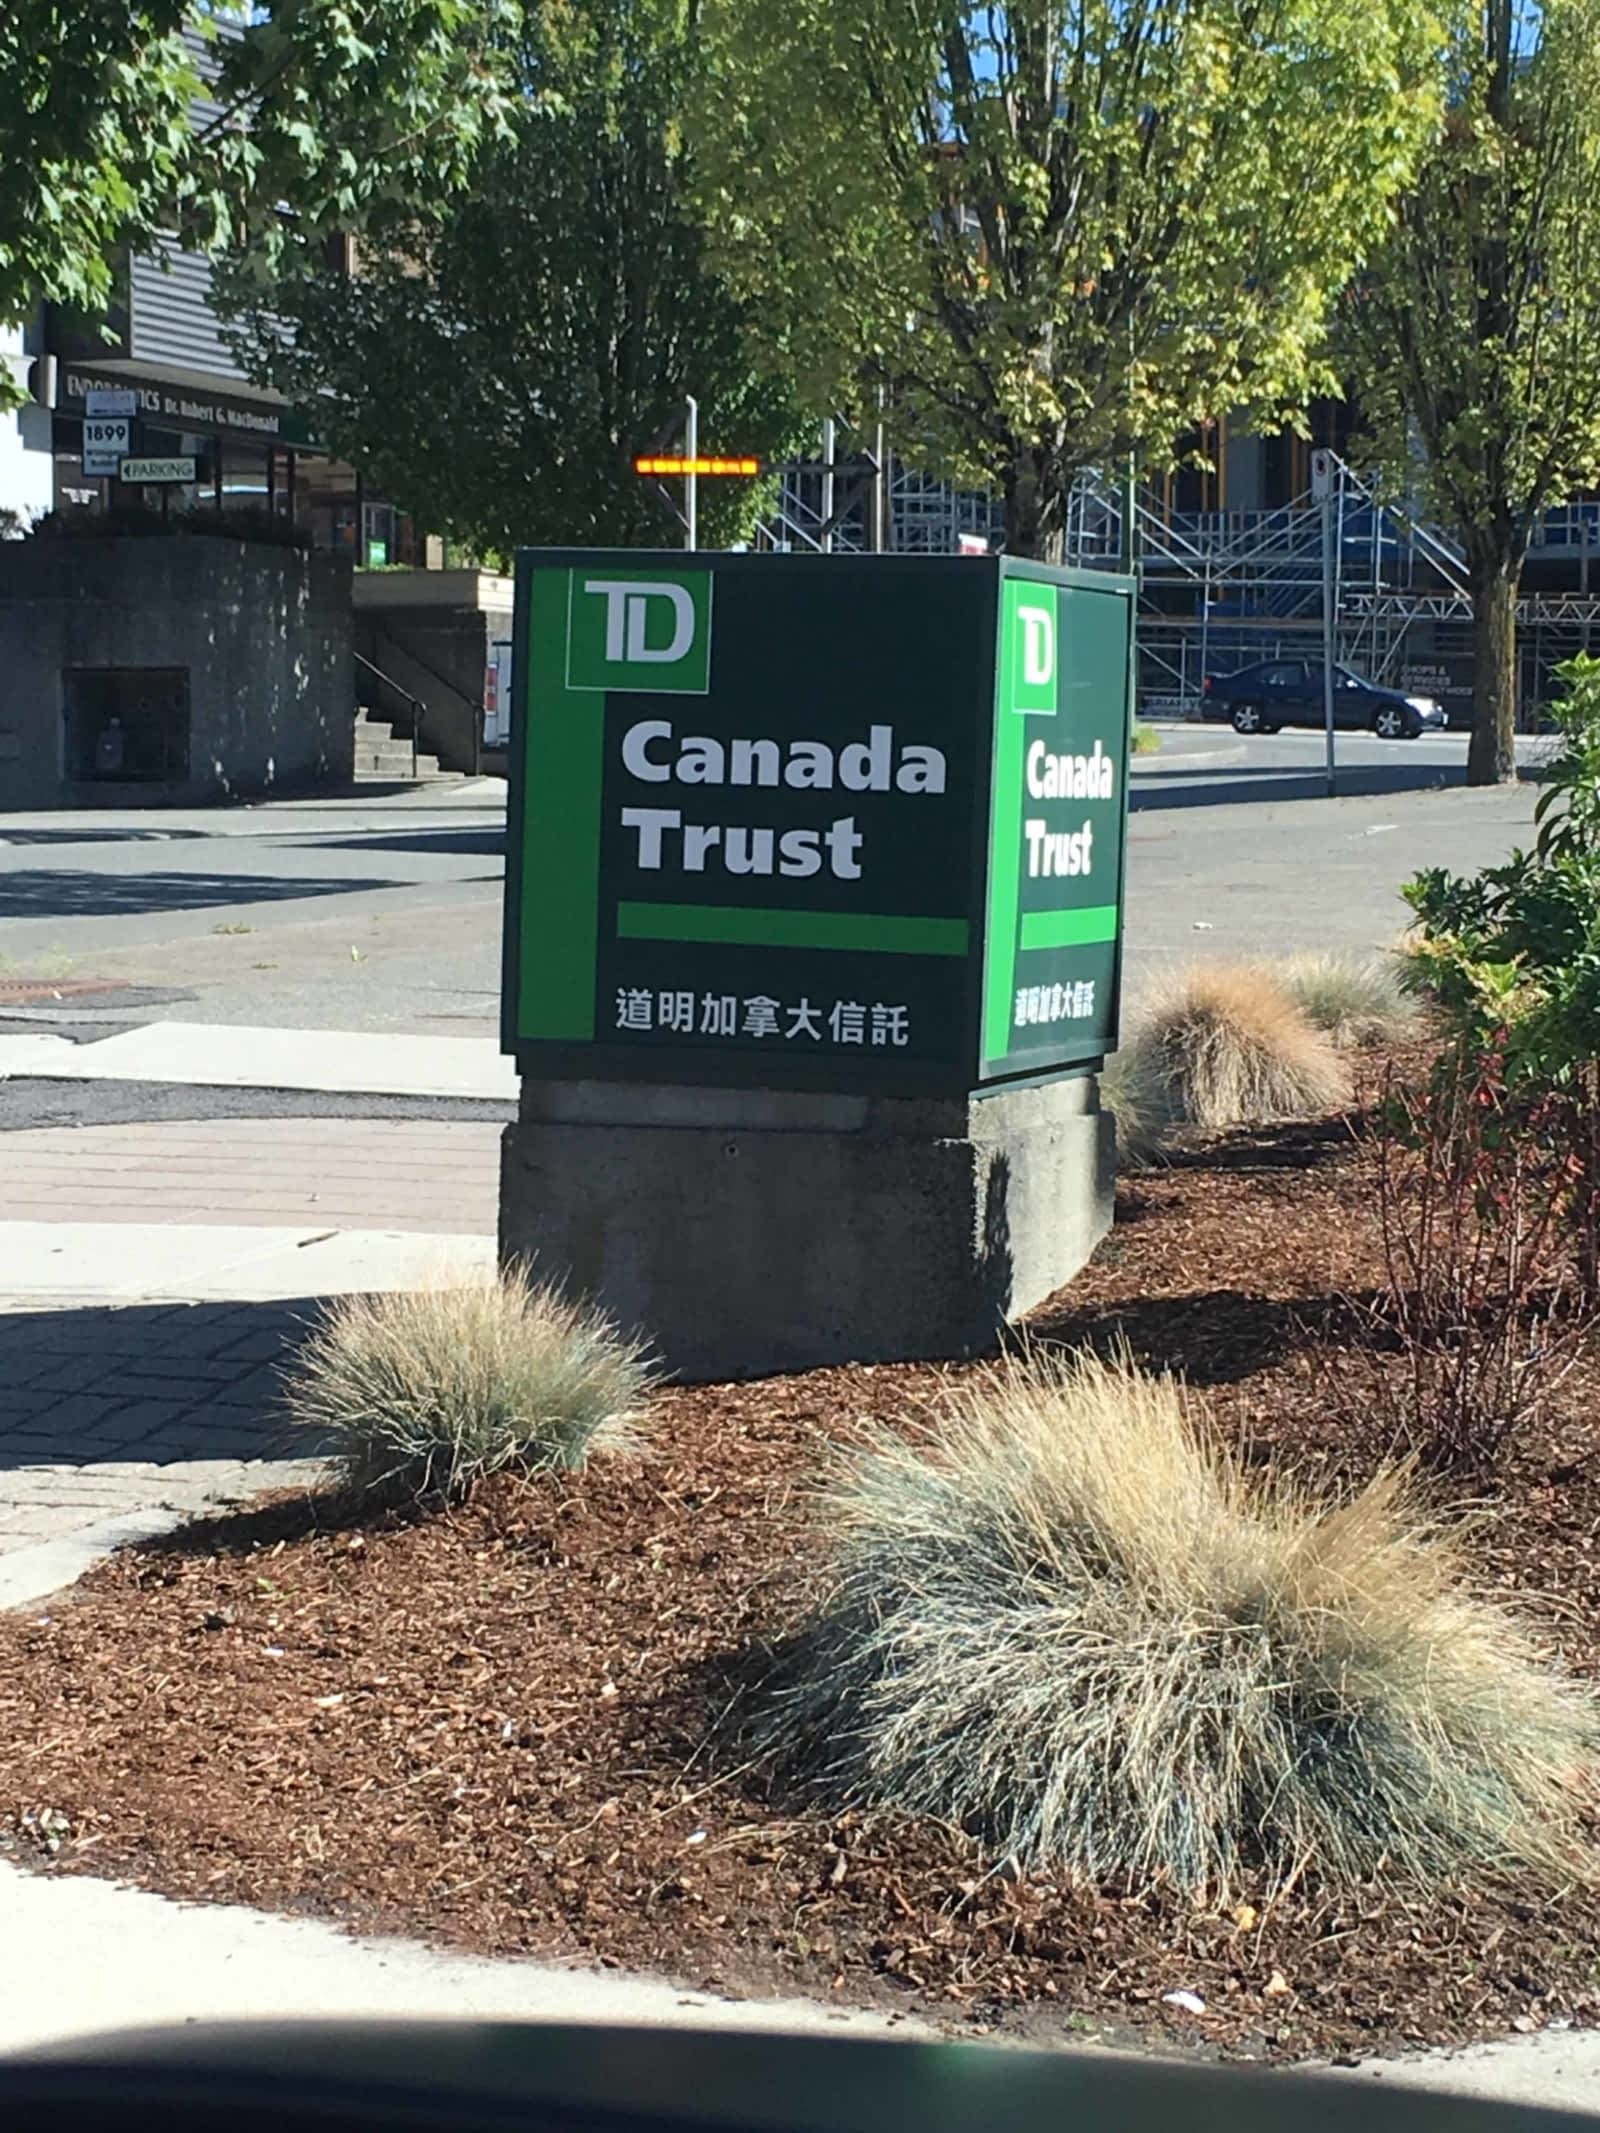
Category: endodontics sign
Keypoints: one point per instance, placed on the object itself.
(815, 822)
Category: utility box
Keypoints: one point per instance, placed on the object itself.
(813, 941)
(801, 822)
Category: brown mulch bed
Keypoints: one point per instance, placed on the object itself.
(489, 1728)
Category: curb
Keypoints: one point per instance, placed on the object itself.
(1187, 758)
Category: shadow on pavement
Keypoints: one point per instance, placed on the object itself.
(95, 836)
(104, 1385)
(61, 892)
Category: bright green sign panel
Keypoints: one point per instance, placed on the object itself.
(815, 822)
(1057, 814)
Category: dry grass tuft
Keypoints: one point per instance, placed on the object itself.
(426, 1392)
(1066, 1623)
(1132, 1091)
(1223, 1045)
(1359, 1003)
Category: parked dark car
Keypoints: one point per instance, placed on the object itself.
(1288, 692)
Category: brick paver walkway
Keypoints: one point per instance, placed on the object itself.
(104, 1412)
(109, 1409)
(394, 1174)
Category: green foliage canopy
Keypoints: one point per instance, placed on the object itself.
(495, 367)
(1057, 231)
(246, 123)
(1476, 334)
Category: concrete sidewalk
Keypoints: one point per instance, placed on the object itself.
(234, 1056)
(79, 1956)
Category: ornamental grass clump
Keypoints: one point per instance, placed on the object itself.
(1220, 1046)
(1359, 1002)
(426, 1393)
(1068, 1623)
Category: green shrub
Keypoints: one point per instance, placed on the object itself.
(426, 1392)
(1470, 1194)
(1066, 1624)
(1511, 957)
(1360, 1003)
(1222, 1045)
(1146, 740)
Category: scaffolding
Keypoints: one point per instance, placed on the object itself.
(1220, 590)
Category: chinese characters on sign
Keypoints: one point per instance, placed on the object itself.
(726, 1015)
(1042, 1004)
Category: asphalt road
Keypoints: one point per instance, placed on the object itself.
(385, 913)
(1235, 848)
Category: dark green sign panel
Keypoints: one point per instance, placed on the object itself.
(814, 822)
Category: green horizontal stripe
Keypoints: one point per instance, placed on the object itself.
(1069, 929)
(735, 925)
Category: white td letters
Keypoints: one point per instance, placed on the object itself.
(1038, 645)
(627, 613)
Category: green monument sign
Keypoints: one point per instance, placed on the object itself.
(825, 823)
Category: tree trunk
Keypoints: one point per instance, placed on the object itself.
(1035, 507)
(1494, 569)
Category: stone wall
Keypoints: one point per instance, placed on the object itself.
(257, 637)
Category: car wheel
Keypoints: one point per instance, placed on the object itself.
(1390, 723)
(1247, 718)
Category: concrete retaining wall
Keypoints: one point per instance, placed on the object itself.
(262, 633)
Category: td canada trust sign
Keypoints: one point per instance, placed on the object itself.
(815, 822)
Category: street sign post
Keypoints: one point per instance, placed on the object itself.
(854, 824)
(813, 942)
(110, 401)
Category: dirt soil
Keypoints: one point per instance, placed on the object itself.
(489, 1729)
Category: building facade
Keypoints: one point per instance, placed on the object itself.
(250, 449)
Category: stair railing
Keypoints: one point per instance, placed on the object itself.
(415, 702)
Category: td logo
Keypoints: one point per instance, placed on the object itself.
(1030, 646)
(639, 632)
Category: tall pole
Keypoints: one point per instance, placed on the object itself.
(691, 481)
(826, 540)
(1326, 486)
(1130, 514)
(880, 487)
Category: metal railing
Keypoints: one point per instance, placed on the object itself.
(475, 704)
(414, 703)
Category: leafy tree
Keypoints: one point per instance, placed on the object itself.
(1057, 232)
(495, 368)
(1477, 332)
(317, 115)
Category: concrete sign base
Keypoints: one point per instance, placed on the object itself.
(755, 1231)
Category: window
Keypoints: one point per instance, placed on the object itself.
(127, 725)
